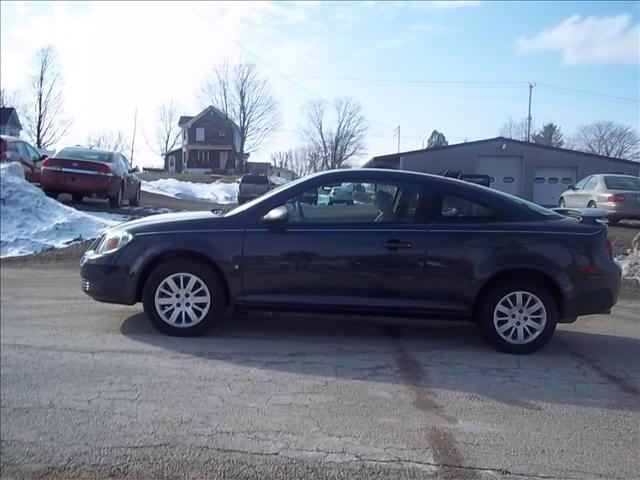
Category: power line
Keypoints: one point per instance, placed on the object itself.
(471, 83)
(286, 77)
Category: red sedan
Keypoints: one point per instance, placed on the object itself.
(90, 172)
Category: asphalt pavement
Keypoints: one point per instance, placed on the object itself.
(90, 390)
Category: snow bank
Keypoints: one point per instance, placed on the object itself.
(631, 265)
(31, 222)
(211, 192)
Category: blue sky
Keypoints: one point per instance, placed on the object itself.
(368, 51)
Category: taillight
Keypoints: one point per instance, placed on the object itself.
(609, 248)
(104, 169)
(617, 198)
(47, 162)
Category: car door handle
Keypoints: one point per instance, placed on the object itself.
(394, 244)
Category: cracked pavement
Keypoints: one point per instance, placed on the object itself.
(90, 390)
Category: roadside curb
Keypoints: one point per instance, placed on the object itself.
(630, 288)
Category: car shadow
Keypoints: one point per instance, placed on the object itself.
(576, 367)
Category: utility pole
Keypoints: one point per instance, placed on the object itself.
(397, 130)
(531, 85)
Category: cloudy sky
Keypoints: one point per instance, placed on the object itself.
(459, 67)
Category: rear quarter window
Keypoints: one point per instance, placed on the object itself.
(622, 183)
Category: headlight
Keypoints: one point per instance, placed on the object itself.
(113, 240)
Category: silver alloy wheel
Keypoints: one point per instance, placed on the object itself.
(519, 317)
(182, 300)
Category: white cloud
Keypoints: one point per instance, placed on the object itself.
(590, 40)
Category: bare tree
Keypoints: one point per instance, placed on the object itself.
(301, 161)
(244, 96)
(282, 159)
(337, 137)
(609, 139)
(115, 141)
(45, 124)
(9, 99)
(167, 132)
(514, 130)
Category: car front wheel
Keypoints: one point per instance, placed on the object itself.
(183, 298)
(561, 202)
(518, 317)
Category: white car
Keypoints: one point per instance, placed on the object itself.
(342, 194)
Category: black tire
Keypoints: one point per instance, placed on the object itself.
(116, 200)
(52, 194)
(135, 200)
(592, 204)
(614, 221)
(489, 330)
(561, 202)
(209, 277)
(350, 202)
(77, 197)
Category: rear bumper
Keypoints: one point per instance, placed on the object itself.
(73, 182)
(621, 210)
(596, 294)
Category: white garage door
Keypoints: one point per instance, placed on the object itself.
(550, 182)
(505, 173)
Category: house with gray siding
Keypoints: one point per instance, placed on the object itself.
(529, 170)
(210, 143)
(9, 122)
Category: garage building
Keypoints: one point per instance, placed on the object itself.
(529, 170)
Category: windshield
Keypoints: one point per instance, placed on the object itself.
(622, 183)
(255, 179)
(85, 154)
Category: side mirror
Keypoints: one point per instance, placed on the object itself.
(571, 187)
(43, 157)
(276, 217)
(134, 170)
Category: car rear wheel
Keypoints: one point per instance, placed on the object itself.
(77, 198)
(116, 200)
(135, 200)
(591, 204)
(183, 298)
(518, 317)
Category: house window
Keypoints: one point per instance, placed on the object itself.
(199, 134)
(221, 134)
(185, 135)
(552, 180)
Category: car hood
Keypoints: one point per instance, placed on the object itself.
(167, 222)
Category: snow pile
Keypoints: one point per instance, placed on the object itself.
(631, 265)
(211, 192)
(278, 180)
(31, 222)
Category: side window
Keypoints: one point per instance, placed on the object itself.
(32, 152)
(126, 163)
(455, 207)
(580, 185)
(21, 147)
(591, 184)
(357, 203)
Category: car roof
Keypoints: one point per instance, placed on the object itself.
(602, 175)
(12, 139)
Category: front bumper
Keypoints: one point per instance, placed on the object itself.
(103, 279)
